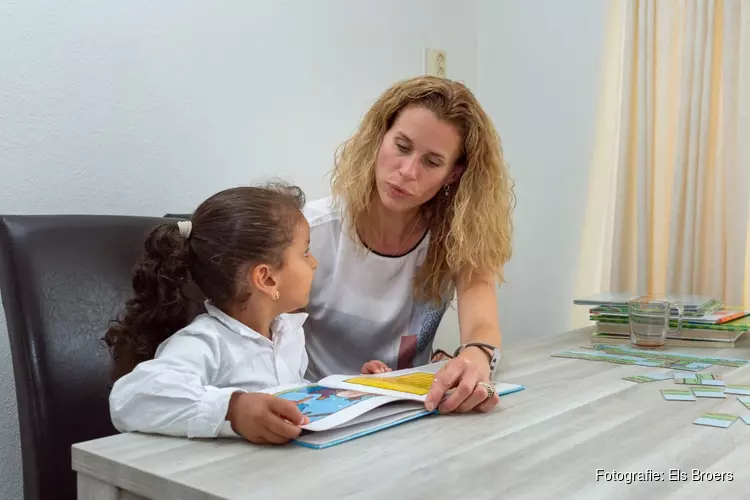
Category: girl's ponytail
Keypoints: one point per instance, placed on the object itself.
(202, 260)
(159, 306)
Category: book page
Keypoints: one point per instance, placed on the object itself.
(386, 411)
(411, 384)
(328, 408)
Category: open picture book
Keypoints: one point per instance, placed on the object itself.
(344, 407)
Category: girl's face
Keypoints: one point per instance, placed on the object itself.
(296, 275)
(416, 159)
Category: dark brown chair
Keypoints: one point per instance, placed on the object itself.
(63, 278)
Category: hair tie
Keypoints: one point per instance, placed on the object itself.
(185, 227)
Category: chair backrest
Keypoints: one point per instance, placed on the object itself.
(63, 278)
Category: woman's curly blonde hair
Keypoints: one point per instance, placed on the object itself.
(471, 228)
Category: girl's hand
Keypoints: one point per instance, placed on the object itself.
(462, 375)
(372, 367)
(265, 419)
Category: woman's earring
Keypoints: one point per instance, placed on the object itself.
(277, 295)
(447, 189)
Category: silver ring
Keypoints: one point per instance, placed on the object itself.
(490, 389)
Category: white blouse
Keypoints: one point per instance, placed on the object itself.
(362, 305)
(185, 389)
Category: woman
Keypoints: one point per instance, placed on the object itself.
(420, 214)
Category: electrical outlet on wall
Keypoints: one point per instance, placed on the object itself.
(435, 63)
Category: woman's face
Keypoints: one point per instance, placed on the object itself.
(416, 159)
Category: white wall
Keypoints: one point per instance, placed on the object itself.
(148, 107)
(539, 66)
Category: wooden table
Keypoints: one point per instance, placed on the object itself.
(574, 418)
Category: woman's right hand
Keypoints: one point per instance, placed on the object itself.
(265, 419)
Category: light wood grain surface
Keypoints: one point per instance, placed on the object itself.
(547, 441)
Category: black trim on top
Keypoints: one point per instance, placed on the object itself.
(396, 256)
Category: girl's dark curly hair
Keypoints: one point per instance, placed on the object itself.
(231, 231)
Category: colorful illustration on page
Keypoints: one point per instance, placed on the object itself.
(316, 402)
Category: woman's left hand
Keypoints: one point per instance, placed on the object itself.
(462, 374)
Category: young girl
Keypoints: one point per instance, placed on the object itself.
(246, 251)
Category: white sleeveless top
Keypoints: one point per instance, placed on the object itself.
(361, 303)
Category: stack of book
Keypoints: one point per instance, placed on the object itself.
(706, 321)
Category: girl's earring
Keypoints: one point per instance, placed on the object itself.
(447, 189)
(277, 295)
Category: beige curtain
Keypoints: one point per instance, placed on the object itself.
(669, 190)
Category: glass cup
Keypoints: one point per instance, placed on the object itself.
(649, 321)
